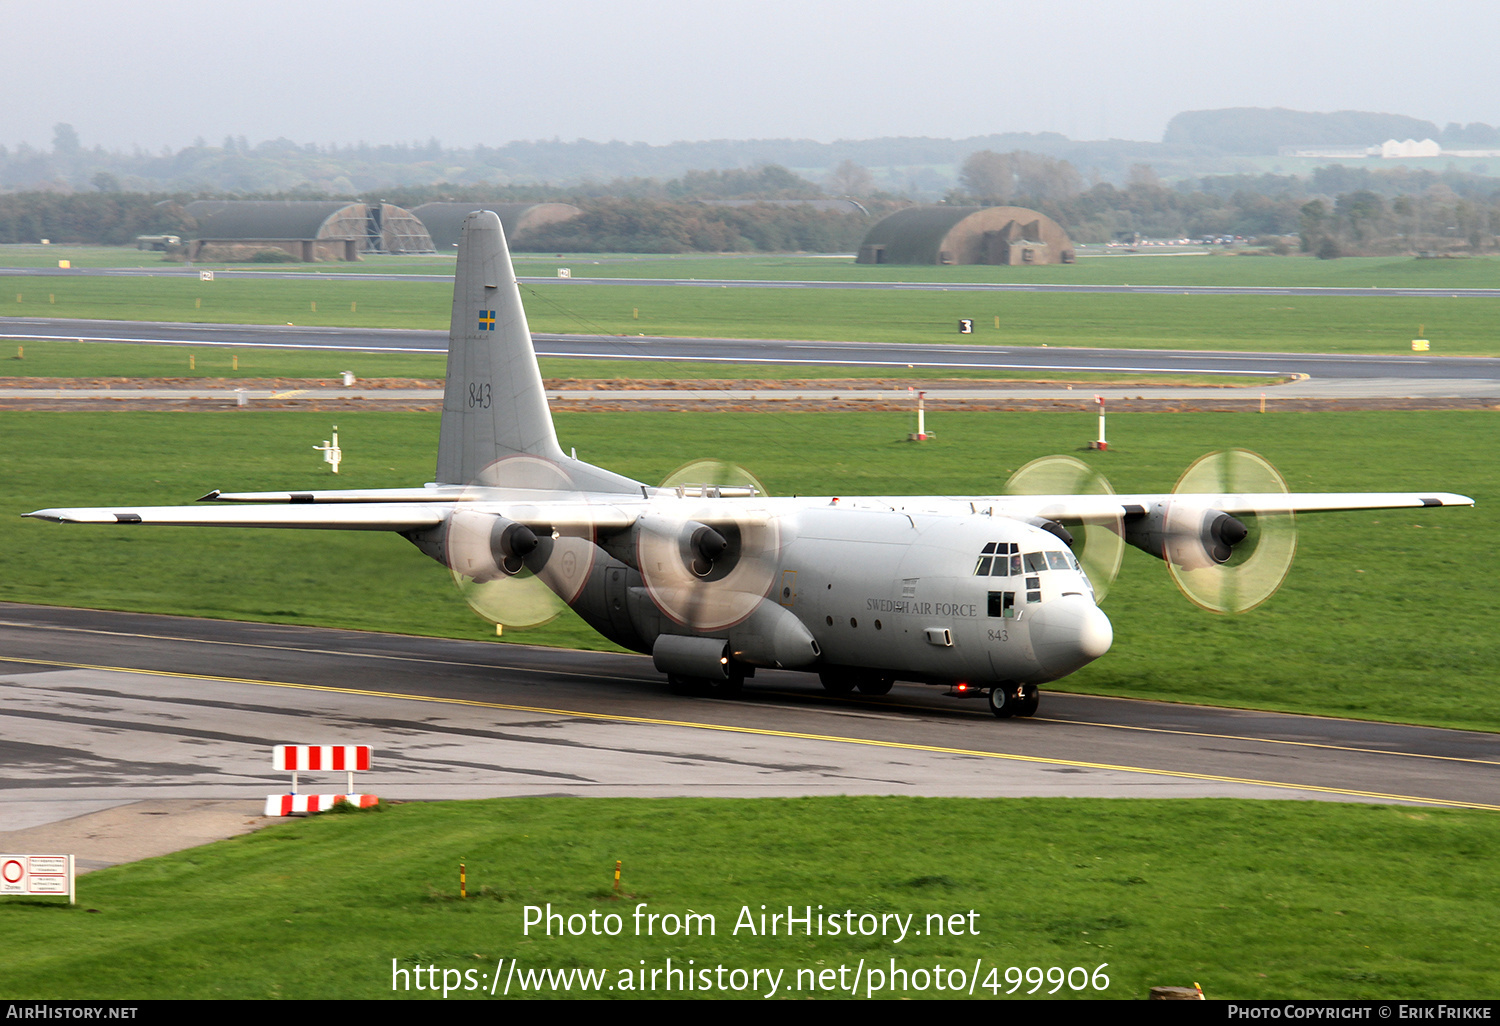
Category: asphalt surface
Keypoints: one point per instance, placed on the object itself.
(100, 709)
(714, 283)
(1414, 367)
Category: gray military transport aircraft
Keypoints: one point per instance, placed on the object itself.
(984, 595)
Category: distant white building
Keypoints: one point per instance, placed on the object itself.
(1391, 149)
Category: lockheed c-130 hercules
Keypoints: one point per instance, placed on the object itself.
(984, 595)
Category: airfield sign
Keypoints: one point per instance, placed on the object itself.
(37, 875)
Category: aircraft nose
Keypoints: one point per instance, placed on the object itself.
(1069, 633)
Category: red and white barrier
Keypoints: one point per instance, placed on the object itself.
(296, 759)
(340, 758)
(287, 804)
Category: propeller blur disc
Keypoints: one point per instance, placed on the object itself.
(1099, 544)
(1256, 565)
(520, 601)
(707, 547)
(705, 477)
(520, 542)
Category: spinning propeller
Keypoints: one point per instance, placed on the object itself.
(1228, 563)
(705, 547)
(1222, 562)
(1098, 543)
(520, 542)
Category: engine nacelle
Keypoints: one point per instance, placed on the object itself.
(485, 547)
(1188, 536)
(700, 550)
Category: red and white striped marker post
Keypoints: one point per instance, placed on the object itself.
(295, 759)
(1101, 443)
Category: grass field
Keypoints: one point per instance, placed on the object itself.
(128, 257)
(1222, 268)
(68, 359)
(1218, 268)
(1386, 615)
(1333, 324)
(1249, 899)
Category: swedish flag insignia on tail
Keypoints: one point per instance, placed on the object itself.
(486, 320)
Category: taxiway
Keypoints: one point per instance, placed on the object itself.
(105, 708)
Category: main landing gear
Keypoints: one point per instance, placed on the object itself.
(1014, 700)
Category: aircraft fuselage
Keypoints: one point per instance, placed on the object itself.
(937, 598)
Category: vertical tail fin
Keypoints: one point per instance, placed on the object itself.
(493, 402)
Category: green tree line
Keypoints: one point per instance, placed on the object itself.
(1365, 223)
(1333, 212)
(627, 225)
(106, 218)
(1337, 210)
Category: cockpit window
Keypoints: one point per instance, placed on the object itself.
(1015, 564)
(1005, 560)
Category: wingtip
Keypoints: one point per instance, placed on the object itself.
(211, 496)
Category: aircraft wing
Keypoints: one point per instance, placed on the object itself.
(331, 511)
(1105, 508)
(431, 493)
(373, 516)
(1325, 502)
(344, 514)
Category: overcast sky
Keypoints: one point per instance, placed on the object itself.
(160, 73)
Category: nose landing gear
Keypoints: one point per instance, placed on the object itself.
(1014, 700)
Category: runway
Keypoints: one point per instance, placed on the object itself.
(583, 280)
(103, 708)
(1477, 375)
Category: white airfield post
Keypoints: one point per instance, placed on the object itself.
(920, 435)
(332, 454)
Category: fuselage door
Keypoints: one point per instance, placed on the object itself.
(616, 584)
